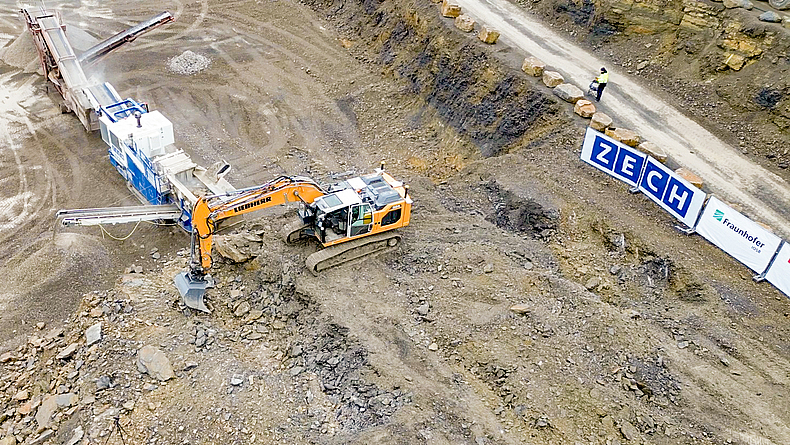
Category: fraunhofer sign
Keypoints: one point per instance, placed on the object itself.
(739, 236)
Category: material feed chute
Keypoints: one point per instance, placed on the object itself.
(351, 219)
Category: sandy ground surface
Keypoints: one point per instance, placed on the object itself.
(625, 331)
(727, 172)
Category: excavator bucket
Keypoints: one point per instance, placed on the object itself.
(192, 290)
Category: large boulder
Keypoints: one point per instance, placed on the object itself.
(155, 363)
(237, 247)
(627, 137)
(465, 23)
(450, 9)
(600, 121)
(488, 35)
(568, 92)
(533, 66)
(653, 150)
(552, 78)
(584, 108)
(689, 176)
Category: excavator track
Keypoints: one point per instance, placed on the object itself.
(293, 232)
(347, 252)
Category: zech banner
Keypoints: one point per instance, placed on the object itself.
(739, 236)
(613, 157)
(673, 193)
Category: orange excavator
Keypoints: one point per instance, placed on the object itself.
(351, 219)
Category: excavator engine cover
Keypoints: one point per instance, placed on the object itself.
(192, 290)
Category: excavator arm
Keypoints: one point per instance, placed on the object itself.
(210, 211)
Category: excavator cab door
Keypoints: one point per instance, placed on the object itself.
(360, 220)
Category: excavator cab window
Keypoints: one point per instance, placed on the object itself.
(361, 219)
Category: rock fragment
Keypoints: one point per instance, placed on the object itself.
(690, 176)
(155, 363)
(465, 23)
(745, 4)
(533, 66)
(568, 92)
(423, 309)
(520, 308)
(600, 121)
(592, 283)
(450, 9)
(44, 414)
(770, 17)
(629, 431)
(584, 108)
(488, 35)
(653, 150)
(68, 351)
(93, 334)
(552, 78)
(627, 137)
(242, 309)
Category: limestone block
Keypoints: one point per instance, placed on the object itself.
(689, 176)
(568, 92)
(746, 4)
(465, 23)
(600, 121)
(488, 35)
(450, 9)
(653, 150)
(533, 66)
(584, 108)
(627, 137)
(552, 78)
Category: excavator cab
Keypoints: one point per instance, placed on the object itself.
(342, 215)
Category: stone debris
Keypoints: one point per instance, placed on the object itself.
(188, 63)
(568, 92)
(93, 334)
(45, 412)
(433, 347)
(629, 431)
(68, 351)
(625, 136)
(690, 176)
(76, 436)
(465, 23)
(155, 363)
(242, 309)
(237, 247)
(653, 150)
(533, 66)
(552, 78)
(423, 309)
(584, 108)
(600, 121)
(592, 283)
(450, 9)
(488, 35)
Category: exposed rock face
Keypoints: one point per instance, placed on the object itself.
(568, 93)
(552, 78)
(533, 66)
(584, 108)
(627, 137)
(154, 362)
(488, 35)
(653, 150)
(600, 121)
(450, 9)
(465, 23)
(690, 176)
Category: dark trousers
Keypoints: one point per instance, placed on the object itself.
(601, 86)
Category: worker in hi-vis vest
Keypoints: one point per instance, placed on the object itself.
(602, 79)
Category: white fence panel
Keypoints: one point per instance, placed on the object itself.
(739, 236)
(779, 273)
(673, 193)
(613, 157)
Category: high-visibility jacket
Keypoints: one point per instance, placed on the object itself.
(603, 78)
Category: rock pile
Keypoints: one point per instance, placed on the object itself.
(188, 63)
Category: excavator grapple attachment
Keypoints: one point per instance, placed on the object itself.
(192, 290)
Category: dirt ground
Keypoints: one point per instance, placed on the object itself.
(623, 330)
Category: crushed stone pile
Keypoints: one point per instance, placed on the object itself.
(188, 63)
(21, 53)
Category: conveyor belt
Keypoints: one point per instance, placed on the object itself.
(118, 215)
